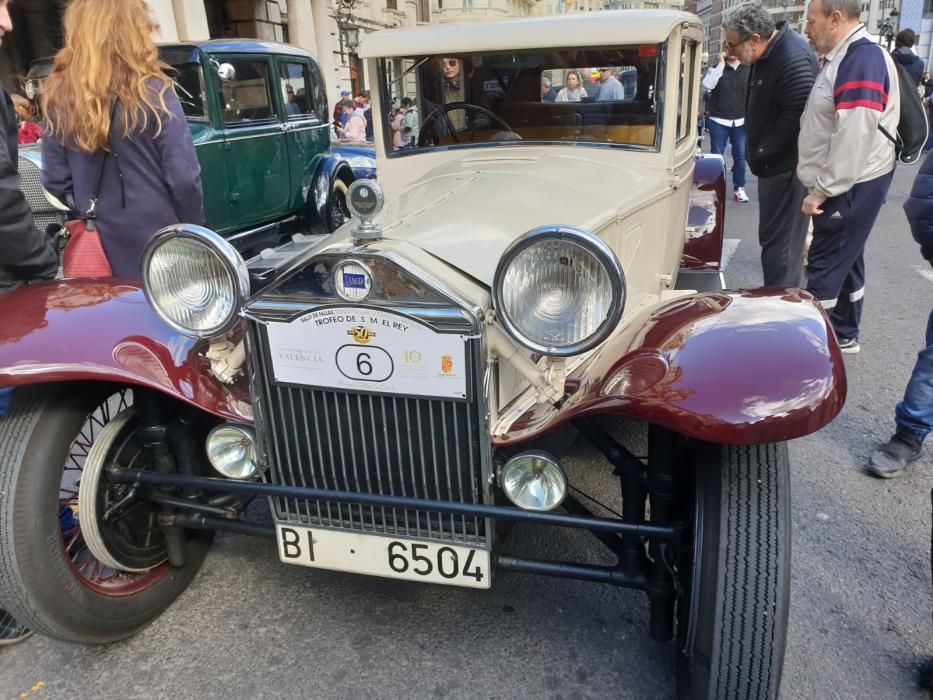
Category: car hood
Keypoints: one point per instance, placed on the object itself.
(468, 212)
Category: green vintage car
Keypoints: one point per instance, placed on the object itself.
(259, 117)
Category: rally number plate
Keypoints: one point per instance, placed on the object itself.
(376, 555)
(368, 350)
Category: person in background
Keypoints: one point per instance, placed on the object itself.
(108, 101)
(395, 124)
(913, 417)
(355, 130)
(340, 119)
(904, 55)
(573, 90)
(291, 108)
(368, 114)
(28, 131)
(411, 123)
(548, 93)
(25, 253)
(727, 84)
(783, 69)
(610, 89)
(846, 163)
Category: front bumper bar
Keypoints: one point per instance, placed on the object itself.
(670, 533)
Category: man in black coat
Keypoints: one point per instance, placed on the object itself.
(913, 64)
(782, 75)
(25, 253)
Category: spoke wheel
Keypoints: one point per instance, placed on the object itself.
(81, 559)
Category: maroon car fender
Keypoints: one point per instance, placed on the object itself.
(105, 330)
(706, 217)
(740, 367)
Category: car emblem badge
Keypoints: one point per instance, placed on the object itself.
(352, 281)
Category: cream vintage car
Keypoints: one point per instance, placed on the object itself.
(536, 271)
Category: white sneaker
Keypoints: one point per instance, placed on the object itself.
(740, 195)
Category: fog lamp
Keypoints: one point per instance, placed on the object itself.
(231, 450)
(534, 481)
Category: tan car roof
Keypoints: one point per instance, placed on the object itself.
(603, 28)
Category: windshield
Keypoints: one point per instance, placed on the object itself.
(598, 96)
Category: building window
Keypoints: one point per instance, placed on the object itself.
(391, 4)
(424, 11)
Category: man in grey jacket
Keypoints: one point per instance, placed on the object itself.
(783, 69)
(25, 253)
(846, 163)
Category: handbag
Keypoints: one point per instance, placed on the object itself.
(84, 254)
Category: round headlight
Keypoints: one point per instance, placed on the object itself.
(195, 280)
(559, 290)
(534, 481)
(231, 450)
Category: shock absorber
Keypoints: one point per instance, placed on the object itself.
(153, 431)
(662, 494)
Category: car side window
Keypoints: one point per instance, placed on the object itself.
(686, 98)
(247, 95)
(294, 84)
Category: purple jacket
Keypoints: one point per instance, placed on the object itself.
(161, 184)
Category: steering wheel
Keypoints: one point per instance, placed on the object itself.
(442, 112)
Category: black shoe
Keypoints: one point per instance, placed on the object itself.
(849, 346)
(11, 631)
(890, 459)
(925, 676)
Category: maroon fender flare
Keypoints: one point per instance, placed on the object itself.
(706, 216)
(739, 367)
(105, 330)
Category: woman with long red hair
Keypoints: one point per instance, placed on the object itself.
(108, 101)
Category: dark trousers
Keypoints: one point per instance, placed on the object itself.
(782, 229)
(836, 268)
(718, 135)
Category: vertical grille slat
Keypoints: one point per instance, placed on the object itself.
(370, 443)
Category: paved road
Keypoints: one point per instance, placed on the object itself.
(860, 618)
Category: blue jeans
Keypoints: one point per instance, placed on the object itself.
(718, 135)
(915, 413)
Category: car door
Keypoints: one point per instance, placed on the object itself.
(255, 142)
(191, 75)
(306, 125)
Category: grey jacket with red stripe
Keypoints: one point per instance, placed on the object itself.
(840, 143)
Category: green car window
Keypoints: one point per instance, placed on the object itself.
(296, 97)
(247, 97)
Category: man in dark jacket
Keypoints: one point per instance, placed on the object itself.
(783, 69)
(913, 416)
(903, 55)
(727, 83)
(25, 253)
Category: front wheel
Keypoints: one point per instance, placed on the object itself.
(50, 578)
(735, 592)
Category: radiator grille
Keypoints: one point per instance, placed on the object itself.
(371, 443)
(43, 213)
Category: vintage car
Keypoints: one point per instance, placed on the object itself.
(259, 118)
(527, 280)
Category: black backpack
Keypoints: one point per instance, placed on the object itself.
(912, 127)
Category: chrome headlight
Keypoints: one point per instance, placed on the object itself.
(559, 290)
(195, 280)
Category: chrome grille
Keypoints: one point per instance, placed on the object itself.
(370, 443)
(43, 213)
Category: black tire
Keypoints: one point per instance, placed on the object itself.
(732, 617)
(41, 584)
(338, 213)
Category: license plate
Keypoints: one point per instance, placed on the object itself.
(376, 555)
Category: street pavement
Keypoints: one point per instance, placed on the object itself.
(860, 619)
